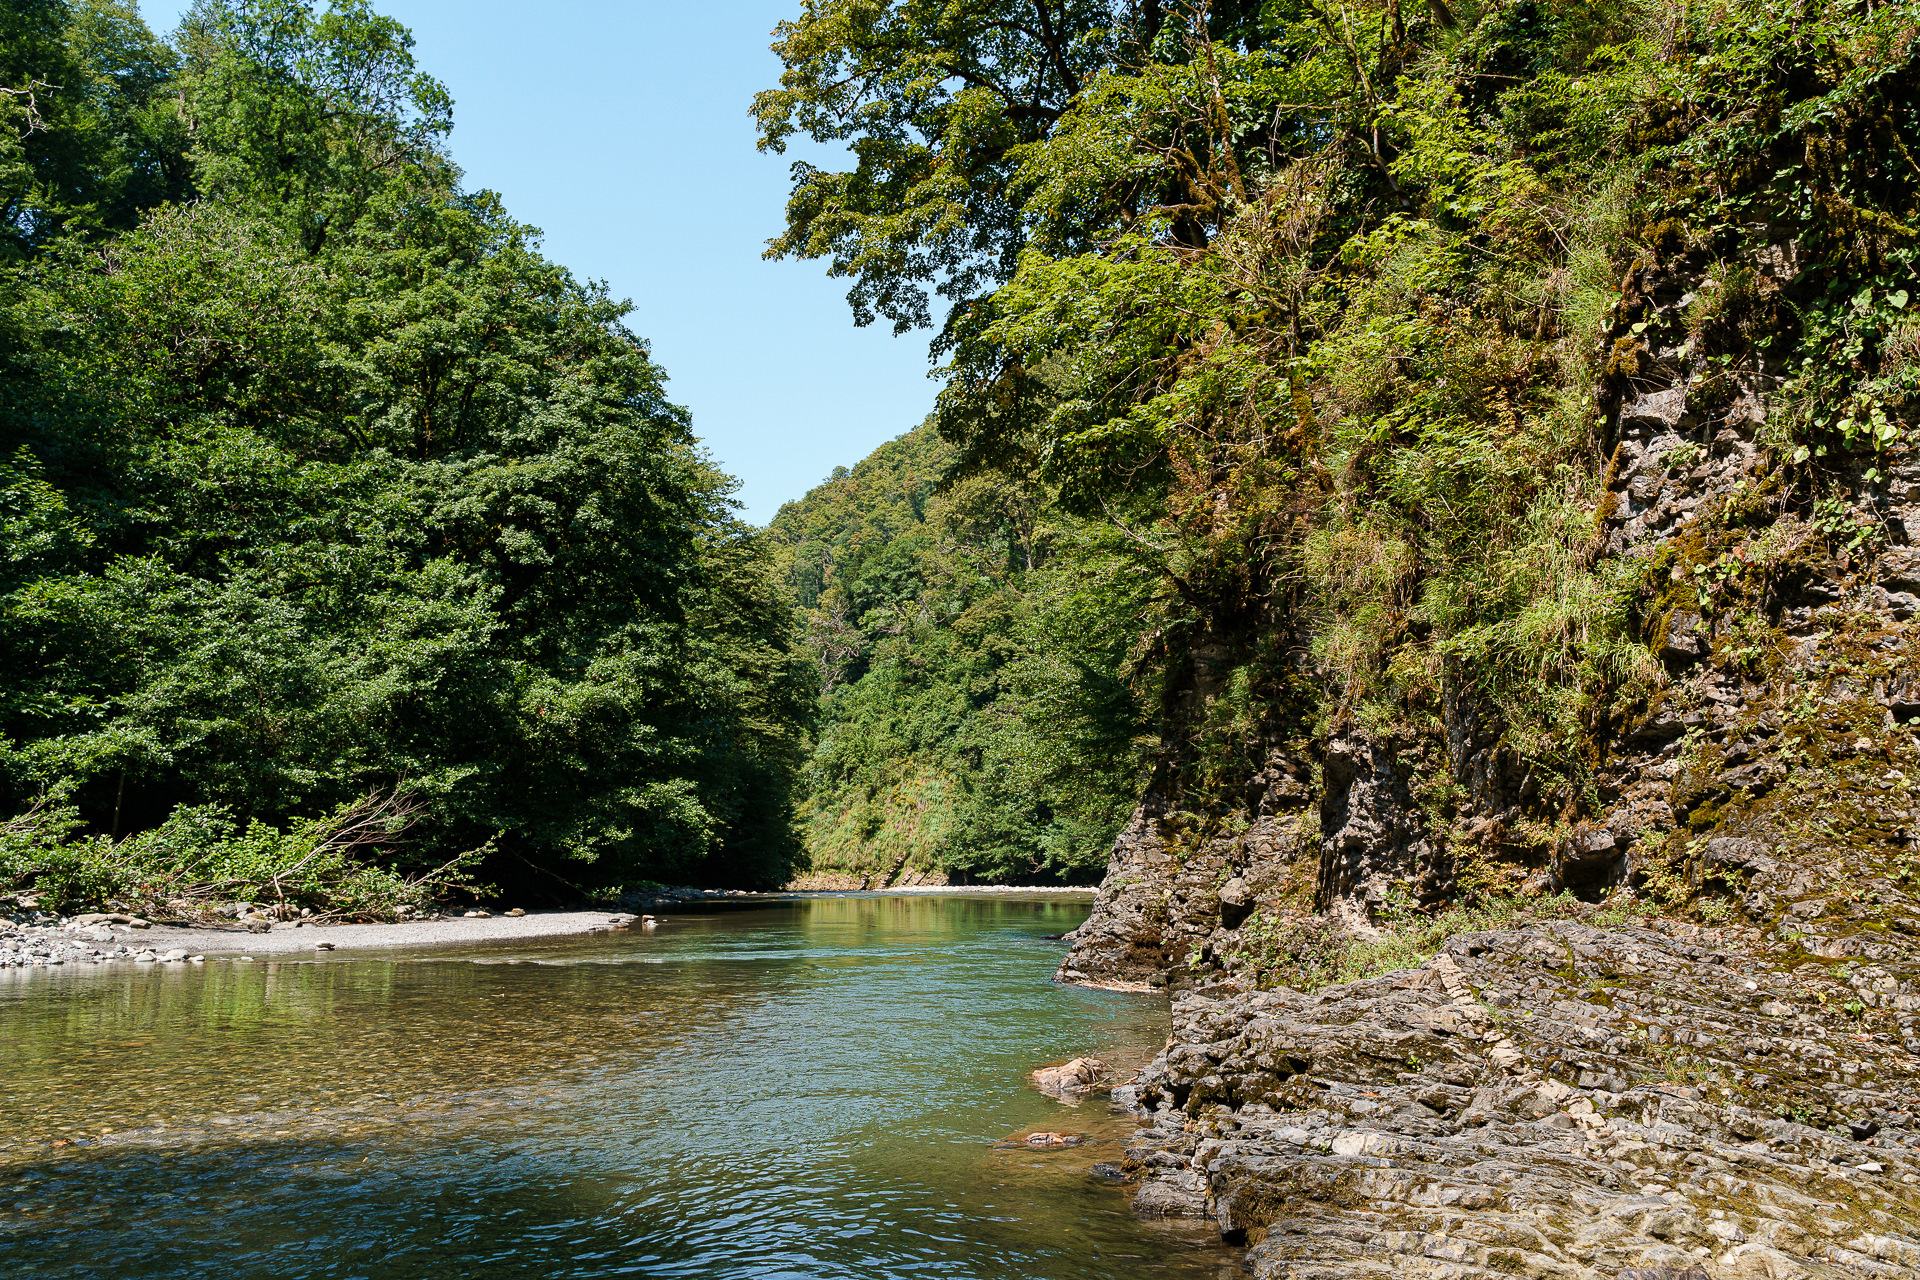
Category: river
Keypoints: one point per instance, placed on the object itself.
(814, 1088)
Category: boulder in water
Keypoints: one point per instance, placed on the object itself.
(1073, 1077)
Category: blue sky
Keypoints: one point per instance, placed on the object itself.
(621, 130)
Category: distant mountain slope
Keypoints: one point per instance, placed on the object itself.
(962, 733)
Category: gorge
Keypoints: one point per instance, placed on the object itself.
(1421, 507)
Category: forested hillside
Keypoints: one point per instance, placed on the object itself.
(1508, 405)
(976, 720)
(344, 538)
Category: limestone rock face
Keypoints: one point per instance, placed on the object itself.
(1556, 1101)
(1561, 1099)
(1175, 892)
(1371, 834)
(1769, 759)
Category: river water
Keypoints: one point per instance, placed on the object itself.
(816, 1088)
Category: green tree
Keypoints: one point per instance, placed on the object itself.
(330, 483)
(934, 100)
(315, 117)
(1301, 303)
(88, 134)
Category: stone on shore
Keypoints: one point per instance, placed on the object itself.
(107, 917)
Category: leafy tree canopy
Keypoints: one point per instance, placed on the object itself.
(979, 715)
(327, 482)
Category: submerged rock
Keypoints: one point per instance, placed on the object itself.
(1050, 1139)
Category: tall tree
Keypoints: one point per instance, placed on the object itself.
(88, 136)
(332, 482)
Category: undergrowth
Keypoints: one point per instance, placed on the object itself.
(339, 866)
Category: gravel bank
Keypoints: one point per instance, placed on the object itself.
(420, 933)
(35, 940)
(45, 943)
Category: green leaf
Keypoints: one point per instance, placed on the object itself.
(1898, 299)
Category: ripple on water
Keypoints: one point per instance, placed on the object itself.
(817, 1089)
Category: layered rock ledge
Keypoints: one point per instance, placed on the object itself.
(1557, 1100)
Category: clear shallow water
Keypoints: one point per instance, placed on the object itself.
(814, 1089)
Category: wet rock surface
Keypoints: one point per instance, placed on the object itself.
(1554, 1100)
(1045, 1140)
(1070, 1079)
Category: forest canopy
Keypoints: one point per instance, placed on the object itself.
(1279, 344)
(323, 494)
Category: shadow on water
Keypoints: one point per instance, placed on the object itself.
(815, 1089)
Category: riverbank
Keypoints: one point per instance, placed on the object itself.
(1554, 1100)
(40, 939)
(66, 944)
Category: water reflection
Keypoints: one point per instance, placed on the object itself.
(808, 1090)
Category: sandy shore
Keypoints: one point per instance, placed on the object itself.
(422, 933)
(285, 937)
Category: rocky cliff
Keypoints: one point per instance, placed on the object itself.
(1722, 1077)
(1767, 768)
